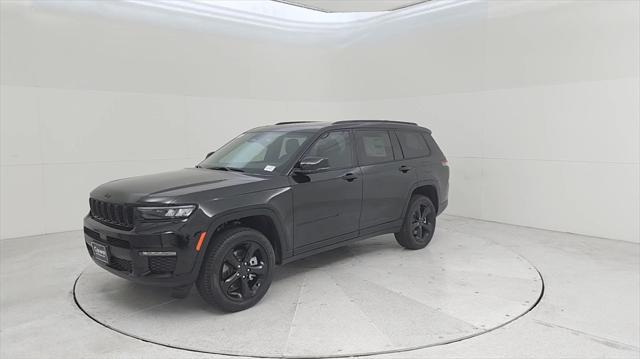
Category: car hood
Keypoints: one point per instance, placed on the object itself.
(176, 186)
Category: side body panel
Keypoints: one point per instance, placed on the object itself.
(274, 203)
(434, 171)
(326, 208)
(384, 192)
(385, 184)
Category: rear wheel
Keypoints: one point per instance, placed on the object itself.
(419, 223)
(237, 269)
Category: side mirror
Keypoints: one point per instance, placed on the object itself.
(312, 164)
(209, 154)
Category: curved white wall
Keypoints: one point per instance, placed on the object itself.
(536, 104)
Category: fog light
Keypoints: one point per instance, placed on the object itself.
(157, 254)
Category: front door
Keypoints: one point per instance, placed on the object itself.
(327, 204)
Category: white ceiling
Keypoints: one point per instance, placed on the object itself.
(353, 5)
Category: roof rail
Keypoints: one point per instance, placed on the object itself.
(292, 122)
(377, 121)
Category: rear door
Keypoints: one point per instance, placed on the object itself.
(387, 179)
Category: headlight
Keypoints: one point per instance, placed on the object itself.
(170, 212)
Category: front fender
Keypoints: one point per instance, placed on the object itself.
(276, 205)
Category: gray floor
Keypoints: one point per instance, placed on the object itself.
(367, 298)
(590, 307)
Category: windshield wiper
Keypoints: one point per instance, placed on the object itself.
(223, 168)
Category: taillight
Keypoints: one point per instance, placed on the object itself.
(445, 163)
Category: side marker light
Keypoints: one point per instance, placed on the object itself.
(200, 240)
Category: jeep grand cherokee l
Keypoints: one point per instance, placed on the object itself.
(270, 196)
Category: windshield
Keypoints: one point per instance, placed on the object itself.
(256, 152)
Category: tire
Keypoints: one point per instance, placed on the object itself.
(237, 269)
(419, 223)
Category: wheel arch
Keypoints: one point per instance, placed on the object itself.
(425, 188)
(264, 220)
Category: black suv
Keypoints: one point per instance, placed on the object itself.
(270, 196)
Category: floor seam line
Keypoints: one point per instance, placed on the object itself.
(148, 308)
(363, 313)
(295, 313)
(583, 333)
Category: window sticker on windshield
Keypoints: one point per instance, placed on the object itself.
(269, 168)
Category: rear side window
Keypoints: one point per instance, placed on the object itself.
(373, 147)
(413, 144)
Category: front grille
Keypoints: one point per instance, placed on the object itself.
(113, 214)
(90, 250)
(158, 265)
(120, 264)
(110, 240)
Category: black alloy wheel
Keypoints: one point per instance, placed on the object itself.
(237, 269)
(422, 222)
(419, 223)
(243, 270)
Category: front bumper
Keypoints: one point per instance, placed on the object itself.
(126, 260)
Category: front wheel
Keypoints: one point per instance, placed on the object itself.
(237, 269)
(419, 223)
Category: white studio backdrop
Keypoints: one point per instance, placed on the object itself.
(536, 104)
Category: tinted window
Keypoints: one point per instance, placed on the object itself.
(373, 147)
(397, 152)
(413, 144)
(256, 152)
(336, 147)
(290, 145)
(431, 143)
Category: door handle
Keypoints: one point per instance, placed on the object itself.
(404, 169)
(349, 177)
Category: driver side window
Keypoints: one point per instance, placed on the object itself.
(334, 146)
